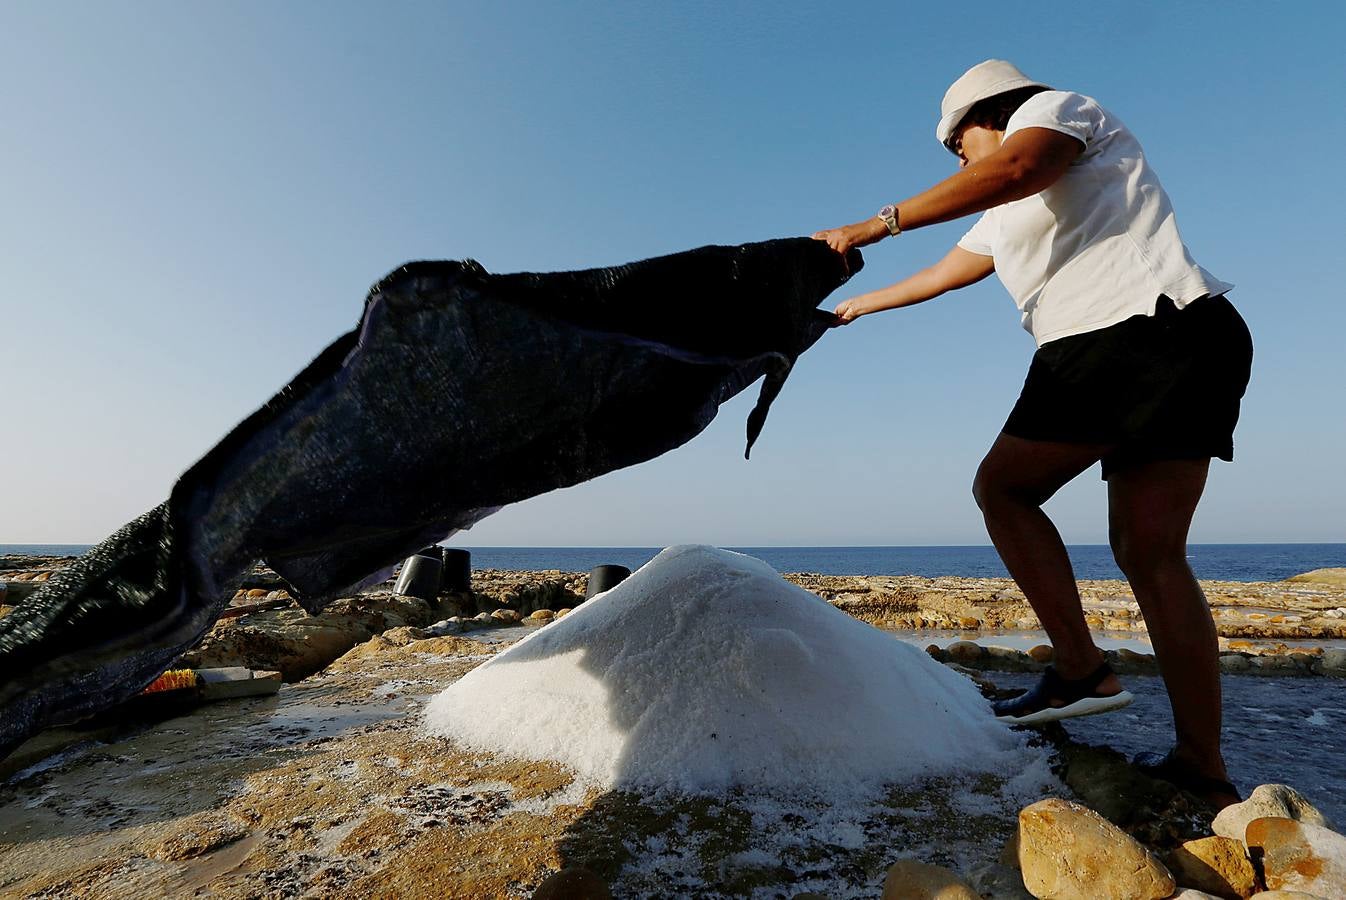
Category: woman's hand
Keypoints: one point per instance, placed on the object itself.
(848, 311)
(957, 269)
(858, 235)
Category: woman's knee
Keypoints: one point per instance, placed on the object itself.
(993, 489)
(1144, 555)
(987, 489)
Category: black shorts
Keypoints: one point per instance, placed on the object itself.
(1156, 387)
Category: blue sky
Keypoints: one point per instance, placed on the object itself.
(196, 198)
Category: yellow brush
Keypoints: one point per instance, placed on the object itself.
(172, 680)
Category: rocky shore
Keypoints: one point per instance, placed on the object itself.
(330, 788)
(1294, 627)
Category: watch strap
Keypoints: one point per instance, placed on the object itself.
(889, 216)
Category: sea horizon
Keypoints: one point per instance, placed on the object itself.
(1248, 562)
(23, 547)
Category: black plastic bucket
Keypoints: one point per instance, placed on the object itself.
(602, 578)
(420, 575)
(457, 577)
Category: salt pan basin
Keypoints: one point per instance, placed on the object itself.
(705, 671)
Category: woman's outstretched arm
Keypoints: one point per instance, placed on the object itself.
(958, 268)
(1026, 163)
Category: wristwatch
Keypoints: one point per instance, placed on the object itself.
(889, 216)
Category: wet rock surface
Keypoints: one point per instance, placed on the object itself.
(329, 787)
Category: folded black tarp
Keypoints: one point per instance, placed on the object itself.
(459, 392)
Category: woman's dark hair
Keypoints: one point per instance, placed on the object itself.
(993, 112)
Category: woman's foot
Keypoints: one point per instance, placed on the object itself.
(1055, 697)
(1208, 783)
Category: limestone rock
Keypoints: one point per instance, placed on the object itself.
(964, 651)
(1275, 664)
(1284, 895)
(1335, 576)
(1217, 865)
(1070, 852)
(984, 684)
(451, 625)
(572, 884)
(1298, 856)
(1193, 894)
(196, 836)
(1333, 661)
(1042, 653)
(910, 879)
(543, 615)
(1279, 800)
(509, 616)
(551, 593)
(1134, 661)
(998, 882)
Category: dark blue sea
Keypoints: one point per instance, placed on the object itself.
(1224, 562)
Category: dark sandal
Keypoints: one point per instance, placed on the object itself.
(1077, 696)
(1166, 767)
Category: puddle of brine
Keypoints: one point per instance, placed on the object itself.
(1106, 640)
(1011, 640)
(203, 870)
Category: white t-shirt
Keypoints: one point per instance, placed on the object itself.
(1100, 244)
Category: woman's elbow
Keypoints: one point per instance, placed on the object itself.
(1024, 176)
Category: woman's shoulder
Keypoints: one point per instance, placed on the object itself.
(1054, 102)
(1069, 112)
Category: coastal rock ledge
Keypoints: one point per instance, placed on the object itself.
(1335, 576)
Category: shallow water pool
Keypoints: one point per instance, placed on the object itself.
(1012, 640)
(1286, 730)
(1106, 640)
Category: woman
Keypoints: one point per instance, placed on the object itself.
(1141, 364)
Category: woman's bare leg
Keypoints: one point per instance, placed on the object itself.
(1150, 509)
(1014, 480)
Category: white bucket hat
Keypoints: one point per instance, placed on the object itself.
(986, 79)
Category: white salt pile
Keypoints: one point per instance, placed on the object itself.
(706, 670)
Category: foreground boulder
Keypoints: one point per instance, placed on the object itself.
(1274, 800)
(910, 879)
(1070, 852)
(573, 884)
(1217, 865)
(1297, 856)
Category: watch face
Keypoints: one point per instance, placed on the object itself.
(887, 211)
